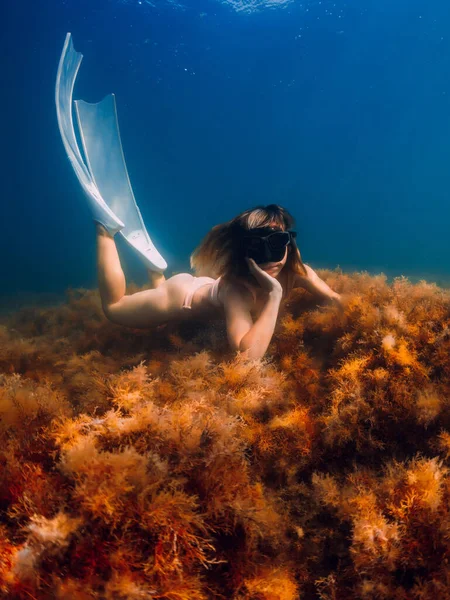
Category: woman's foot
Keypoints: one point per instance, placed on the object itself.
(156, 279)
(101, 230)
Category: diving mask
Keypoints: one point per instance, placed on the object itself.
(265, 244)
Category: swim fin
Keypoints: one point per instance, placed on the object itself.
(103, 176)
(65, 80)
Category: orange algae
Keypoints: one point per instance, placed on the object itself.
(156, 464)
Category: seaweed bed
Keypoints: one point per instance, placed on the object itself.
(157, 464)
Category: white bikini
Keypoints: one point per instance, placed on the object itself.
(197, 282)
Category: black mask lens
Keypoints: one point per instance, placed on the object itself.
(279, 240)
(264, 245)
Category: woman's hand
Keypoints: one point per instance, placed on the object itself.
(266, 281)
(335, 299)
(318, 287)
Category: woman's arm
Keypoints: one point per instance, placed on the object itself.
(243, 333)
(315, 285)
(257, 339)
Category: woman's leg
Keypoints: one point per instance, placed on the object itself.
(141, 309)
(111, 279)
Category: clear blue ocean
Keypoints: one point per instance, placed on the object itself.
(337, 110)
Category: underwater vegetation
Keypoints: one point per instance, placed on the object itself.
(158, 464)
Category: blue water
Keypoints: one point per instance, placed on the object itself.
(339, 111)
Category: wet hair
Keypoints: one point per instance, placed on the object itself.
(220, 253)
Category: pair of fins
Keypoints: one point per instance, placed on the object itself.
(102, 173)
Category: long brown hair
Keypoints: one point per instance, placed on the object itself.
(220, 252)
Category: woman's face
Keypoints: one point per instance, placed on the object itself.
(274, 268)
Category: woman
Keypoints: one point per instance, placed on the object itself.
(244, 268)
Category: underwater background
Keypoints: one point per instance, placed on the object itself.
(339, 111)
(159, 463)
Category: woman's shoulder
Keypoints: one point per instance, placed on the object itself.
(232, 286)
(249, 291)
(299, 279)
